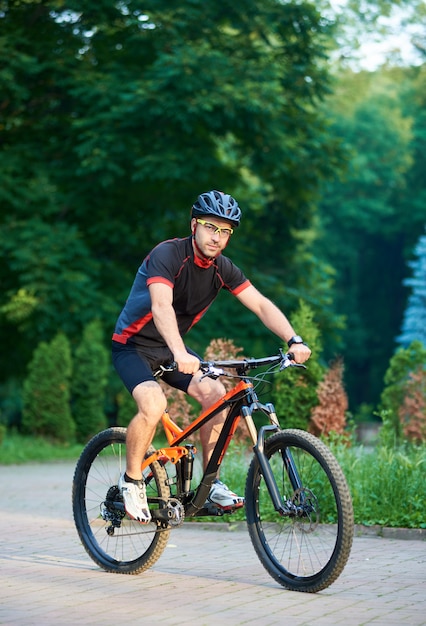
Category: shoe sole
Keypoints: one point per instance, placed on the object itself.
(228, 507)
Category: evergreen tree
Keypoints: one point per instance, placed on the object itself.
(115, 116)
(89, 383)
(46, 395)
(414, 322)
(126, 408)
(295, 393)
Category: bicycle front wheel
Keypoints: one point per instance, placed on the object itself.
(307, 549)
(114, 541)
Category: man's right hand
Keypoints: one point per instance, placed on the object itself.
(186, 363)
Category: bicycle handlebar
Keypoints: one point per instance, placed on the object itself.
(214, 369)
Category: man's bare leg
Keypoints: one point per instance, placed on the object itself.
(151, 403)
(207, 392)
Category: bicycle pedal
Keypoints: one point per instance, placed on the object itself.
(231, 509)
(210, 510)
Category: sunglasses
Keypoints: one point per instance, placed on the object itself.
(213, 229)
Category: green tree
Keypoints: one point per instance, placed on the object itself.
(370, 219)
(126, 407)
(414, 106)
(397, 383)
(130, 115)
(49, 275)
(46, 395)
(114, 116)
(89, 382)
(295, 390)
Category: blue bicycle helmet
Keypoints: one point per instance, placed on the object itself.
(218, 204)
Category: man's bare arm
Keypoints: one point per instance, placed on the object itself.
(165, 321)
(274, 319)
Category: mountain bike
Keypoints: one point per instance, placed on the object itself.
(297, 502)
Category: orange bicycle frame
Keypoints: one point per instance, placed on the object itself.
(176, 435)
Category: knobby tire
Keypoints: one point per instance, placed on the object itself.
(306, 552)
(129, 547)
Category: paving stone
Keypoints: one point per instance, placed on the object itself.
(208, 574)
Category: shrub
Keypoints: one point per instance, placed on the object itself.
(330, 414)
(180, 407)
(412, 412)
(3, 430)
(91, 366)
(387, 484)
(222, 350)
(295, 390)
(395, 402)
(126, 408)
(46, 395)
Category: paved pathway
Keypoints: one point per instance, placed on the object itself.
(206, 576)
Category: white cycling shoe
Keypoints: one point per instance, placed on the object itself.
(135, 501)
(220, 495)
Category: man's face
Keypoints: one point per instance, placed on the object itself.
(209, 242)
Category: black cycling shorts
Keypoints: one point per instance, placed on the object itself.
(135, 364)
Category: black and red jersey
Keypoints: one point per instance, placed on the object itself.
(194, 289)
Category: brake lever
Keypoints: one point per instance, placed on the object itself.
(170, 367)
(212, 372)
(289, 362)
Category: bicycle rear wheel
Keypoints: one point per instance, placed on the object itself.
(307, 550)
(114, 541)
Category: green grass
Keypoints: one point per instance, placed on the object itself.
(387, 485)
(16, 449)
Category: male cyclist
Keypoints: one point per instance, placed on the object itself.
(173, 288)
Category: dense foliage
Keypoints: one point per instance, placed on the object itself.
(403, 399)
(64, 391)
(46, 399)
(88, 388)
(371, 216)
(115, 115)
(295, 394)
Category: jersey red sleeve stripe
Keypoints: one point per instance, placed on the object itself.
(159, 279)
(241, 288)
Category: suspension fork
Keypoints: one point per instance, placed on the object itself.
(259, 451)
(291, 468)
